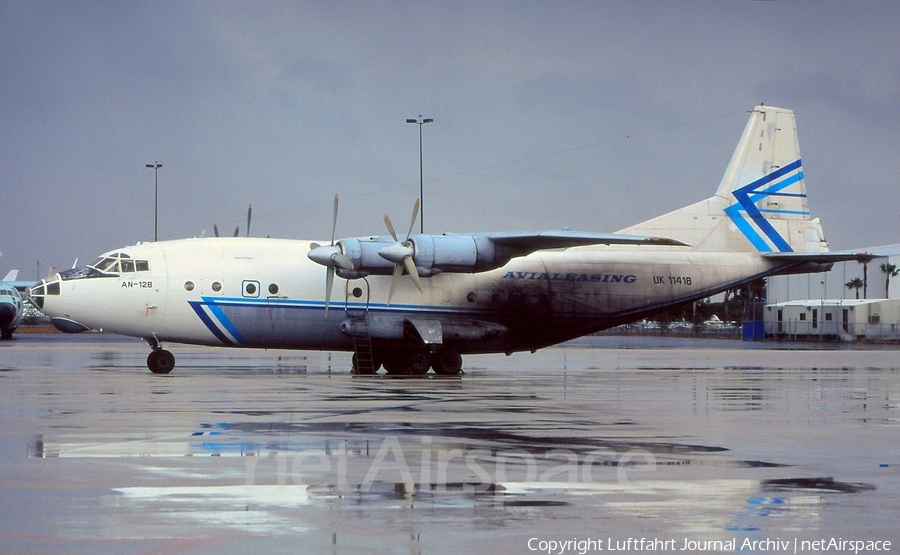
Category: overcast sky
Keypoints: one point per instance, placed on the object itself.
(593, 115)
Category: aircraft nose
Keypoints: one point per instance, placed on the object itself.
(45, 295)
(7, 314)
(40, 292)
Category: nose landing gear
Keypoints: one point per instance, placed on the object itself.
(159, 361)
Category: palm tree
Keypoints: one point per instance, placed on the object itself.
(890, 270)
(865, 280)
(855, 283)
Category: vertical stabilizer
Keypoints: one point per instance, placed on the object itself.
(761, 202)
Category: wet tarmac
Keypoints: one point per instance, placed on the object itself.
(609, 444)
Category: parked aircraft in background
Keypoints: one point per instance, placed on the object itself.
(11, 303)
(477, 293)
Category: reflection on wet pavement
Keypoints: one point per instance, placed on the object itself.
(249, 446)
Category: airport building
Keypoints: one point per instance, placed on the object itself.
(830, 319)
(832, 306)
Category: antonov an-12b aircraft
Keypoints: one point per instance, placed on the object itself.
(478, 293)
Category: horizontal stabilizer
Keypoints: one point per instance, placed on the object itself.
(860, 255)
(814, 262)
(882, 251)
(819, 257)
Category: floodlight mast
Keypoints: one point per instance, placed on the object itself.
(420, 121)
(155, 166)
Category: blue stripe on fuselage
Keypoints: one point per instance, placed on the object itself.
(211, 311)
(216, 310)
(207, 321)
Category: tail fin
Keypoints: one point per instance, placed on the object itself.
(760, 205)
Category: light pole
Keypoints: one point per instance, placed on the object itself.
(420, 122)
(155, 166)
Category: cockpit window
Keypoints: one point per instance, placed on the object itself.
(119, 263)
(44, 288)
(108, 265)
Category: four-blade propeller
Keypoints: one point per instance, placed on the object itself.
(402, 253)
(331, 257)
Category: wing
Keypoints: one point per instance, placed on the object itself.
(526, 243)
(428, 255)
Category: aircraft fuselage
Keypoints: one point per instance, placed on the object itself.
(255, 292)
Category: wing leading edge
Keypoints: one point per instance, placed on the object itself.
(562, 239)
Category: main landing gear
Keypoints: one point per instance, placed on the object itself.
(159, 361)
(411, 363)
(397, 363)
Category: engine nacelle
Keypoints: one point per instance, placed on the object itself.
(432, 255)
(454, 253)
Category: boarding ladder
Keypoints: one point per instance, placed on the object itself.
(359, 328)
(362, 344)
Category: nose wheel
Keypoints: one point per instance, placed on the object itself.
(159, 361)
